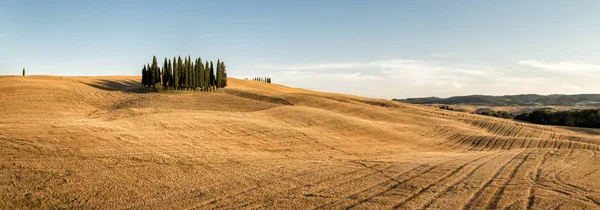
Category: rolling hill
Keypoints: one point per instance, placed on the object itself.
(512, 100)
(89, 142)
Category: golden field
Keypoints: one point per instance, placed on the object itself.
(88, 142)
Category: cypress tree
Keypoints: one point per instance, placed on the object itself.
(224, 76)
(201, 73)
(193, 74)
(187, 73)
(165, 74)
(150, 75)
(155, 71)
(218, 74)
(198, 66)
(207, 76)
(190, 72)
(23, 71)
(144, 76)
(180, 70)
(175, 74)
(170, 73)
(212, 75)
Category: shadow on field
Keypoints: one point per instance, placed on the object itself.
(257, 97)
(111, 85)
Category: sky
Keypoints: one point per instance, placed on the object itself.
(376, 48)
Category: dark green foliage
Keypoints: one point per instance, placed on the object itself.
(181, 73)
(185, 74)
(500, 114)
(144, 76)
(218, 74)
(547, 116)
(165, 74)
(212, 75)
(202, 74)
(23, 71)
(149, 76)
(581, 118)
(263, 79)
(446, 108)
(207, 76)
(155, 71)
(187, 78)
(175, 74)
(223, 75)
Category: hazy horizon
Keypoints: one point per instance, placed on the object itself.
(384, 49)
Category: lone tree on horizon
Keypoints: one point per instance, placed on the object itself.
(23, 71)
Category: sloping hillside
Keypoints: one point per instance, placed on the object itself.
(88, 142)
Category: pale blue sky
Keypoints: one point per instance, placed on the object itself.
(372, 48)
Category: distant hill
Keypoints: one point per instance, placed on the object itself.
(512, 100)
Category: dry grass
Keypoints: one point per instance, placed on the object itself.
(86, 142)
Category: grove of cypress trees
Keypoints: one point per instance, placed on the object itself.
(187, 74)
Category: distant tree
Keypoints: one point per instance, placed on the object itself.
(181, 73)
(175, 73)
(212, 75)
(224, 76)
(186, 66)
(170, 72)
(218, 74)
(193, 73)
(150, 75)
(198, 75)
(144, 76)
(201, 74)
(23, 71)
(207, 75)
(155, 71)
(165, 74)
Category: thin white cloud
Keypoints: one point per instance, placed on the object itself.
(400, 78)
(306, 67)
(570, 67)
(442, 55)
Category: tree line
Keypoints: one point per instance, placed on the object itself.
(589, 118)
(262, 79)
(185, 74)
